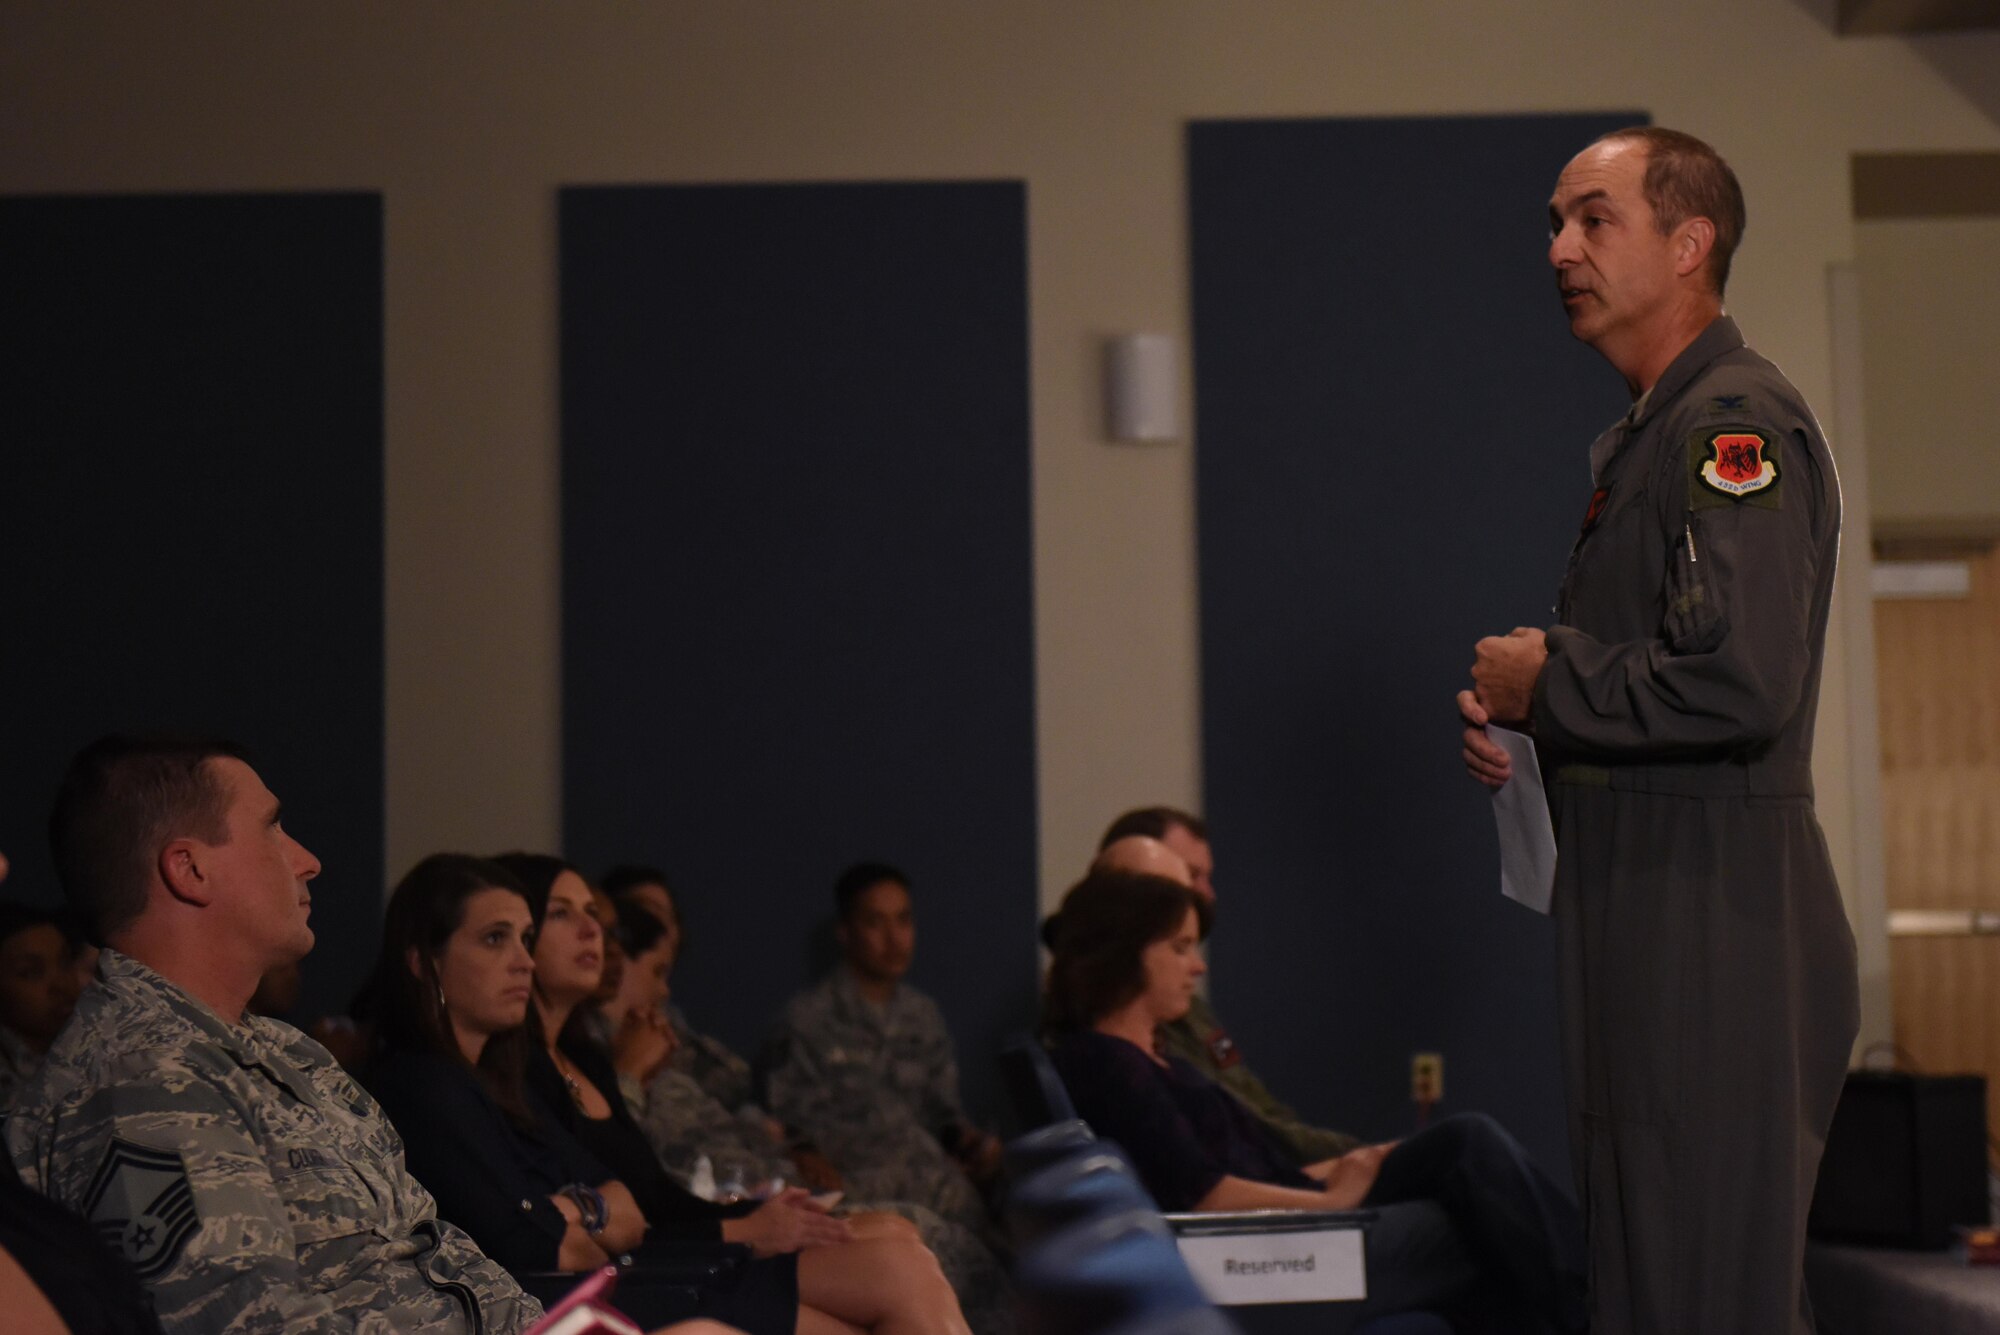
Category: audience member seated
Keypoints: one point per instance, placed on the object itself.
(246, 1179)
(565, 1070)
(38, 990)
(685, 1127)
(56, 1275)
(864, 1050)
(717, 1068)
(880, 1158)
(1126, 958)
(626, 1017)
(682, 1121)
(1133, 843)
(454, 985)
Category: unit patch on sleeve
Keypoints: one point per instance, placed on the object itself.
(1733, 465)
(142, 1204)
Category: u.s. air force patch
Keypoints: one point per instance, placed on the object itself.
(1733, 465)
(142, 1204)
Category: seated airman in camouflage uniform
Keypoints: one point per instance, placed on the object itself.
(251, 1184)
(863, 1061)
(1163, 841)
(687, 1123)
(704, 1102)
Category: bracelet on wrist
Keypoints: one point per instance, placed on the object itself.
(590, 1205)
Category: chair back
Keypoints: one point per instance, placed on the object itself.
(1092, 1183)
(1104, 1273)
(1033, 1086)
(1047, 1145)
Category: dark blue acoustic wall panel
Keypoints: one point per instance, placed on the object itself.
(191, 512)
(1393, 423)
(796, 581)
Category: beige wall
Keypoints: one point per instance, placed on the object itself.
(1930, 319)
(468, 116)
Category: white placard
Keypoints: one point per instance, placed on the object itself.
(1309, 1266)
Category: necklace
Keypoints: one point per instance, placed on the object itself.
(568, 1079)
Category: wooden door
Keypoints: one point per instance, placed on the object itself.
(1938, 674)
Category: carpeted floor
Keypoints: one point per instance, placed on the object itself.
(1881, 1291)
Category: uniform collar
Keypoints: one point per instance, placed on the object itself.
(255, 1042)
(1721, 336)
(847, 990)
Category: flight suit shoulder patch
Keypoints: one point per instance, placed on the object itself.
(1734, 465)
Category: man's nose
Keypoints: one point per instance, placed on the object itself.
(1562, 247)
(305, 865)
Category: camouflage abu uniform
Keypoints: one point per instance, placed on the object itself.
(18, 1064)
(834, 1037)
(710, 1062)
(876, 1087)
(683, 1123)
(249, 1181)
(1199, 1039)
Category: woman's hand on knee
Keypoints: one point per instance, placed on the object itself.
(788, 1222)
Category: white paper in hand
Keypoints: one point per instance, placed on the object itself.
(1527, 839)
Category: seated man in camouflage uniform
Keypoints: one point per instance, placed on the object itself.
(703, 1104)
(863, 1057)
(251, 1184)
(1142, 841)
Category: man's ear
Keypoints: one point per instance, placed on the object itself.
(414, 963)
(180, 869)
(1692, 246)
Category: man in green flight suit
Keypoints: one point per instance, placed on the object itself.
(1709, 997)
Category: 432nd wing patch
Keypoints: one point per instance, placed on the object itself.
(142, 1204)
(1733, 465)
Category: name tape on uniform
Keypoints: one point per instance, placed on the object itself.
(1312, 1266)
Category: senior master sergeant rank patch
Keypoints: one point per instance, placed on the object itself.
(142, 1204)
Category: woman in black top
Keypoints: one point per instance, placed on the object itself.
(452, 988)
(1125, 958)
(870, 1271)
(454, 983)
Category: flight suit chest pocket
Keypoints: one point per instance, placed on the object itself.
(1602, 563)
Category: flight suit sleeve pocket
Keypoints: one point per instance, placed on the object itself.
(1696, 622)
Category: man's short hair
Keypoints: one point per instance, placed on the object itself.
(1685, 178)
(858, 880)
(1153, 823)
(123, 799)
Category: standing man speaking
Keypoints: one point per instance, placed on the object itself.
(1708, 972)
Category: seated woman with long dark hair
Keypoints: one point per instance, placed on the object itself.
(454, 985)
(574, 1066)
(1125, 960)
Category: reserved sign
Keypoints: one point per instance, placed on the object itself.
(1308, 1266)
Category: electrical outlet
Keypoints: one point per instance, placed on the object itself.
(1426, 1077)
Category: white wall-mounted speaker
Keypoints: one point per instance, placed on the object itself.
(1141, 399)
